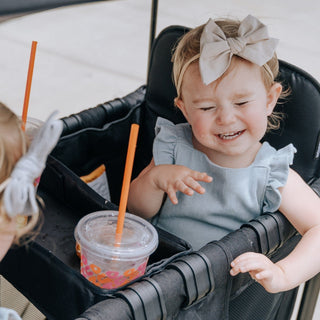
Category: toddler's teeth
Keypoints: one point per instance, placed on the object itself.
(230, 135)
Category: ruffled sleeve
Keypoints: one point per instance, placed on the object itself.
(164, 142)
(8, 314)
(278, 175)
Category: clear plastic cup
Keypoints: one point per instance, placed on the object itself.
(32, 126)
(107, 264)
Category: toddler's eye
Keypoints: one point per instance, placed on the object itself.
(208, 108)
(241, 103)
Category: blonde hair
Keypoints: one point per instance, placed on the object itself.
(13, 144)
(187, 52)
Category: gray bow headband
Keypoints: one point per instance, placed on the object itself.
(20, 195)
(216, 50)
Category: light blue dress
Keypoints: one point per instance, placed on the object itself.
(235, 196)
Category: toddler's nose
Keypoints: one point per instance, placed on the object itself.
(225, 115)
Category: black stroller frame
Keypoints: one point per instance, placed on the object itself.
(179, 283)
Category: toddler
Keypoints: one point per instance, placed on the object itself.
(212, 174)
(21, 163)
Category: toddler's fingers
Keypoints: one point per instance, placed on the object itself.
(191, 183)
(245, 256)
(172, 195)
(202, 176)
(263, 275)
(182, 187)
(234, 271)
(250, 266)
(246, 265)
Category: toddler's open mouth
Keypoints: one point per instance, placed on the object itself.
(230, 135)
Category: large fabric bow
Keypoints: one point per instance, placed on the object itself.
(216, 50)
(19, 196)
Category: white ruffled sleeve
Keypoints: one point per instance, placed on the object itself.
(8, 314)
(279, 170)
(164, 142)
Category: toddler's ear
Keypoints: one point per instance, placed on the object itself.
(273, 96)
(180, 104)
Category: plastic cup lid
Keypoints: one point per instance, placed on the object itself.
(96, 232)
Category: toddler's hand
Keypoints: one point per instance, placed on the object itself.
(173, 178)
(261, 269)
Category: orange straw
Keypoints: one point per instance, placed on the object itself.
(28, 85)
(126, 181)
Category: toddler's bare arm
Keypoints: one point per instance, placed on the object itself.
(301, 205)
(148, 190)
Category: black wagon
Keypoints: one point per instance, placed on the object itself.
(179, 283)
